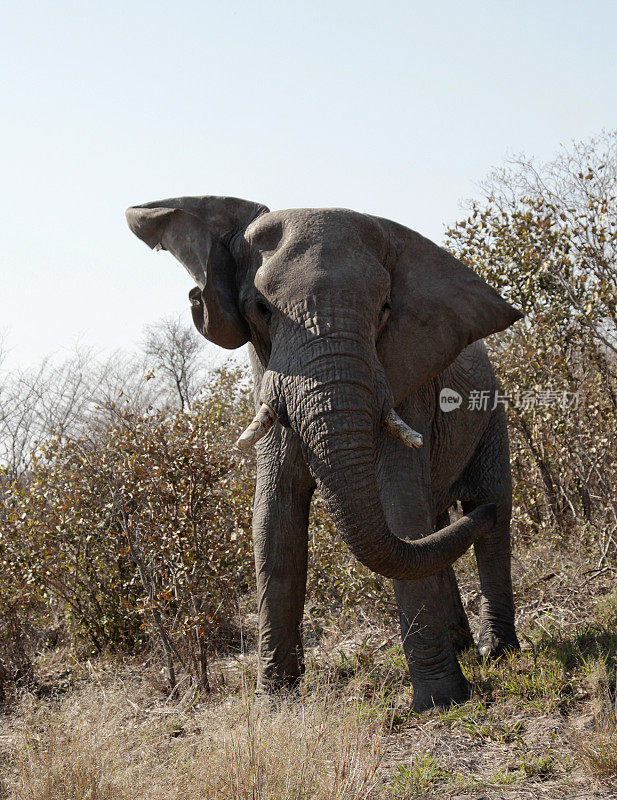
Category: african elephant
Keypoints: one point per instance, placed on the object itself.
(355, 324)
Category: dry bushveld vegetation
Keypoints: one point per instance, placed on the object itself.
(127, 650)
(541, 724)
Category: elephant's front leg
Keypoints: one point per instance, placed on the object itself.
(434, 669)
(280, 537)
(424, 605)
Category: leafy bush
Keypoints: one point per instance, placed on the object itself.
(142, 529)
(139, 533)
(546, 237)
(19, 601)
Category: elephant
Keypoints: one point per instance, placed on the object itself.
(356, 328)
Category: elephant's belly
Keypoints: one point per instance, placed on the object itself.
(465, 396)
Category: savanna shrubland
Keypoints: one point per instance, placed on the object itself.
(140, 527)
(125, 549)
(545, 235)
(133, 534)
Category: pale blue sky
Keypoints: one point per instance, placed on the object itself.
(394, 108)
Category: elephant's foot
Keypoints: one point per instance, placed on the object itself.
(461, 637)
(494, 644)
(279, 669)
(428, 694)
(277, 686)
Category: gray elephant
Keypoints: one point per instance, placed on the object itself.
(355, 325)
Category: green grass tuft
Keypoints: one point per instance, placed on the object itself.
(421, 775)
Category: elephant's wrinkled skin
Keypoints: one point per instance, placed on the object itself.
(348, 316)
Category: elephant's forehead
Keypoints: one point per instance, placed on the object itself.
(305, 250)
(307, 228)
(309, 252)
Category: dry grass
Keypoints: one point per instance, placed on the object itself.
(541, 724)
(598, 746)
(348, 734)
(114, 742)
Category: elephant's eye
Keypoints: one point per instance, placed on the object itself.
(263, 310)
(385, 312)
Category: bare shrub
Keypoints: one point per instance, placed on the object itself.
(174, 351)
(65, 397)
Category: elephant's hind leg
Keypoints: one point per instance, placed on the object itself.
(487, 480)
(458, 624)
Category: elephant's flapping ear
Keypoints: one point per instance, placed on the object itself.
(439, 306)
(198, 231)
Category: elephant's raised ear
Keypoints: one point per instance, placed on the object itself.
(198, 231)
(438, 307)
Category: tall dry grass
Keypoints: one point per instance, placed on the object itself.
(597, 748)
(112, 744)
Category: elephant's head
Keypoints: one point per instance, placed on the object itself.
(348, 313)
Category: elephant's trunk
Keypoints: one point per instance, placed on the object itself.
(331, 402)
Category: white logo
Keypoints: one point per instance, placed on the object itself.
(449, 400)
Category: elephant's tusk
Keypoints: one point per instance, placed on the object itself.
(401, 430)
(261, 424)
